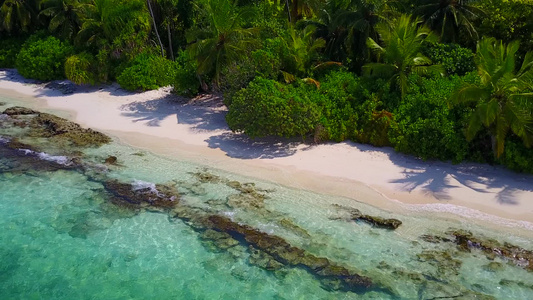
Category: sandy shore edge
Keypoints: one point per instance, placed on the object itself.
(195, 129)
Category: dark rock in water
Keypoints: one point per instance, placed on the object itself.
(375, 220)
(263, 260)
(350, 213)
(288, 224)
(434, 239)
(3, 104)
(447, 265)
(125, 194)
(111, 160)
(20, 157)
(18, 110)
(466, 242)
(47, 125)
(494, 266)
(276, 247)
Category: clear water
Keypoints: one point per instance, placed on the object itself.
(62, 239)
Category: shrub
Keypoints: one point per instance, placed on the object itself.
(147, 72)
(454, 58)
(339, 91)
(9, 48)
(43, 59)
(269, 108)
(516, 156)
(186, 82)
(81, 68)
(425, 125)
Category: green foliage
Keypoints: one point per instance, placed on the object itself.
(508, 20)
(269, 108)
(43, 59)
(400, 55)
(222, 40)
(450, 18)
(81, 68)
(500, 99)
(454, 58)
(425, 126)
(9, 48)
(186, 82)
(147, 72)
(338, 98)
(517, 157)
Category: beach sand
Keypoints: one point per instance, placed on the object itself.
(195, 129)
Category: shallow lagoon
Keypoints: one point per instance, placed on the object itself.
(63, 239)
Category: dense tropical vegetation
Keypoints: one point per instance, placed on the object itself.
(439, 79)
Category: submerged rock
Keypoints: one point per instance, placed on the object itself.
(467, 242)
(18, 111)
(111, 160)
(125, 194)
(356, 215)
(330, 274)
(47, 125)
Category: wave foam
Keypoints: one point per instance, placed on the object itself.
(62, 160)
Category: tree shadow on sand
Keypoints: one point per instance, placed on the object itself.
(153, 112)
(240, 146)
(209, 115)
(438, 178)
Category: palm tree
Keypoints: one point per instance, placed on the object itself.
(303, 49)
(223, 40)
(345, 26)
(449, 17)
(500, 96)
(400, 54)
(18, 15)
(65, 16)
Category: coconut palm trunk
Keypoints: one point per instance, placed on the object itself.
(155, 27)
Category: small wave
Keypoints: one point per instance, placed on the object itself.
(62, 160)
(4, 140)
(468, 213)
(138, 185)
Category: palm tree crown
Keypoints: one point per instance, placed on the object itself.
(400, 54)
(500, 96)
(448, 17)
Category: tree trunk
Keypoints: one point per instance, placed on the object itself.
(288, 10)
(170, 42)
(155, 28)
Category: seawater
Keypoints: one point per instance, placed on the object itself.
(62, 239)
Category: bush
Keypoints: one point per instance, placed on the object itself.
(425, 125)
(454, 58)
(43, 58)
(269, 108)
(186, 82)
(81, 68)
(9, 48)
(147, 72)
(516, 156)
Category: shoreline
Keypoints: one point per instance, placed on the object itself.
(169, 126)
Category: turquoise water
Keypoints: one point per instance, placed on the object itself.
(63, 239)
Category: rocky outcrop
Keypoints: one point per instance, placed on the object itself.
(467, 242)
(376, 221)
(126, 195)
(356, 215)
(47, 125)
(330, 274)
(18, 111)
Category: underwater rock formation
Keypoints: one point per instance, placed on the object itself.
(329, 273)
(127, 195)
(467, 242)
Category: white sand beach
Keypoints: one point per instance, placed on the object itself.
(195, 129)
